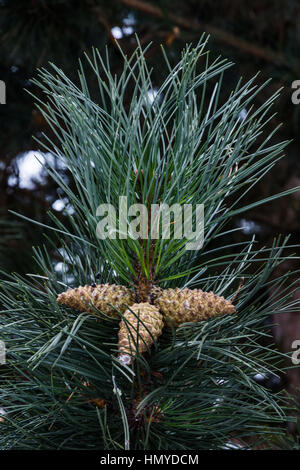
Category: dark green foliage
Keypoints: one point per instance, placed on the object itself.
(196, 388)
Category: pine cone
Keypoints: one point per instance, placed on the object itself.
(141, 327)
(191, 305)
(84, 298)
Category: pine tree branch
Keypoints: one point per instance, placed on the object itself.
(196, 387)
(217, 33)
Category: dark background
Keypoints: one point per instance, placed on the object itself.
(261, 35)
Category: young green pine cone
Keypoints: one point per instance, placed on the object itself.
(84, 298)
(141, 328)
(191, 305)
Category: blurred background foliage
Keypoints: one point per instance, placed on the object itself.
(262, 35)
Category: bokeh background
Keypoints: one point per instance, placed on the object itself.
(261, 35)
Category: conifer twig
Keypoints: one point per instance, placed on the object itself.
(217, 33)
